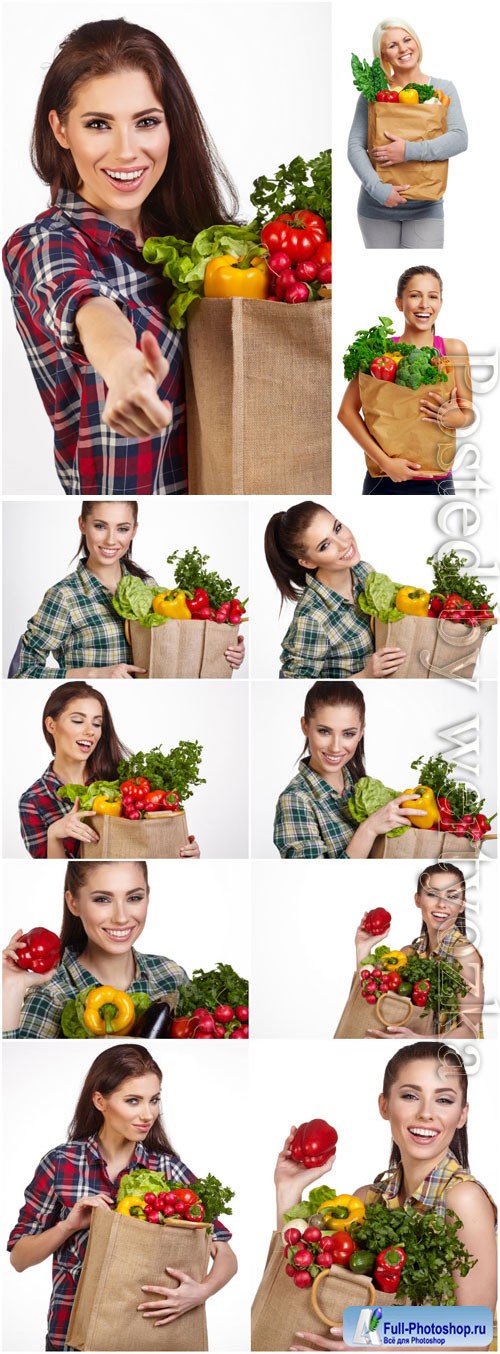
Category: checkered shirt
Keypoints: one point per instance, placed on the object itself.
(38, 808)
(68, 255)
(430, 1196)
(78, 625)
(328, 636)
(43, 1006)
(65, 1175)
(312, 819)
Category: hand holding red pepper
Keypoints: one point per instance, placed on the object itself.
(17, 978)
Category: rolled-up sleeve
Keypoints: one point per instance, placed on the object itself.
(41, 1208)
(296, 831)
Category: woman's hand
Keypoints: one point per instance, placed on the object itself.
(319, 1341)
(392, 154)
(396, 198)
(16, 982)
(80, 1215)
(383, 662)
(133, 408)
(399, 469)
(71, 825)
(235, 653)
(114, 670)
(393, 815)
(396, 1032)
(173, 1302)
(291, 1178)
(446, 412)
(364, 942)
(191, 851)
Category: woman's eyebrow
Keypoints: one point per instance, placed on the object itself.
(110, 118)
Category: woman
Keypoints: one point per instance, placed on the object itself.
(314, 560)
(117, 1127)
(79, 730)
(105, 912)
(76, 621)
(119, 139)
(419, 298)
(312, 818)
(440, 898)
(425, 1087)
(387, 220)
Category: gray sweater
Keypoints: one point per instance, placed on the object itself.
(453, 142)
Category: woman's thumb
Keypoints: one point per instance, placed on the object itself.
(154, 358)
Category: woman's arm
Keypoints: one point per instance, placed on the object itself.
(292, 1180)
(453, 411)
(132, 374)
(471, 1006)
(452, 142)
(472, 1205)
(379, 823)
(398, 468)
(31, 1250)
(172, 1302)
(296, 833)
(357, 153)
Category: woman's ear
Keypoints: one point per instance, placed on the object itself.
(463, 1117)
(399, 303)
(50, 724)
(57, 129)
(417, 900)
(98, 1101)
(383, 1106)
(303, 725)
(306, 564)
(71, 903)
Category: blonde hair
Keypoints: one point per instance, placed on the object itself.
(377, 40)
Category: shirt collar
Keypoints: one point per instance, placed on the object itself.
(91, 583)
(327, 593)
(390, 1190)
(92, 222)
(445, 943)
(81, 976)
(319, 787)
(140, 1157)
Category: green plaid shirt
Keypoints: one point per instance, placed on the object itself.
(78, 624)
(312, 819)
(43, 1006)
(447, 943)
(328, 636)
(430, 1196)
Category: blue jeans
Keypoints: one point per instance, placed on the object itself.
(373, 484)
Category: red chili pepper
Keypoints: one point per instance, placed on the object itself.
(41, 950)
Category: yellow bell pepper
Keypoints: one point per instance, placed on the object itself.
(99, 1019)
(408, 96)
(132, 1201)
(223, 277)
(111, 806)
(341, 1212)
(396, 357)
(425, 801)
(172, 604)
(395, 959)
(412, 601)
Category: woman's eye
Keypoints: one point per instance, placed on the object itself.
(136, 898)
(149, 122)
(101, 898)
(97, 122)
(338, 527)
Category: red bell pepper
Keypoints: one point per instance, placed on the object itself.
(41, 951)
(384, 368)
(154, 800)
(388, 1266)
(377, 921)
(199, 602)
(314, 1143)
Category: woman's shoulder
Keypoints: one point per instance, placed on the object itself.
(37, 788)
(447, 86)
(471, 1200)
(455, 347)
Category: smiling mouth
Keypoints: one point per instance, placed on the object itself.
(116, 934)
(440, 916)
(348, 553)
(423, 315)
(333, 759)
(86, 744)
(424, 1134)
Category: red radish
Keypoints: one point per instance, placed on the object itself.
(303, 1258)
(219, 1031)
(325, 273)
(241, 1013)
(283, 281)
(278, 262)
(289, 1269)
(323, 1259)
(296, 293)
(312, 1234)
(292, 1236)
(306, 270)
(302, 1280)
(224, 1014)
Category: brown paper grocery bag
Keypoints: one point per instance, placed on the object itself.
(182, 648)
(280, 1309)
(392, 414)
(420, 843)
(157, 838)
(359, 1016)
(413, 122)
(434, 647)
(258, 384)
(122, 1254)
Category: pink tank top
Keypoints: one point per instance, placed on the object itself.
(437, 343)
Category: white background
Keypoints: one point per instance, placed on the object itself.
(396, 734)
(179, 923)
(309, 918)
(215, 713)
(400, 551)
(205, 1101)
(219, 529)
(261, 76)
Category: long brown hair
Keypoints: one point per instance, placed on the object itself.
(106, 1074)
(443, 867)
(283, 543)
(109, 751)
(338, 693)
(190, 194)
(451, 1060)
(73, 933)
(83, 550)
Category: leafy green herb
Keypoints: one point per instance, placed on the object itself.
(377, 598)
(368, 343)
(446, 982)
(176, 770)
(220, 986)
(190, 573)
(436, 774)
(433, 1250)
(450, 576)
(303, 185)
(371, 794)
(184, 263)
(370, 80)
(424, 92)
(214, 1196)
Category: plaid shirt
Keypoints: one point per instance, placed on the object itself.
(312, 819)
(78, 624)
(43, 1006)
(70, 254)
(328, 636)
(430, 1196)
(38, 808)
(447, 943)
(65, 1175)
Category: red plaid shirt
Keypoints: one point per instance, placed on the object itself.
(38, 808)
(65, 1175)
(69, 254)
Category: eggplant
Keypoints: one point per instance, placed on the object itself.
(156, 1022)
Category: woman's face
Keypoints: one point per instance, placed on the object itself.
(424, 1108)
(399, 50)
(118, 136)
(112, 906)
(328, 544)
(109, 529)
(441, 900)
(421, 301)
(133, 1108)
(333, 732)
(77, 730)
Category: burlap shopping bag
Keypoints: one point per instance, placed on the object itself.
(258, 385)
(434, 647)
(156, 837)
(182, 648)
(280, 1309)
(420, 843)
(392, 414)
(336, 1288)
(413, 122)
(359, 1016)
(122, 1254)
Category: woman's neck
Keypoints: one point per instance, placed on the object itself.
(113, 970)
(412, 77)
(69, 772)
(108, 574)
(333, 778)
(339, 581)
(116, 1150)
(415, 1172)
(418, 338)
(437, 934)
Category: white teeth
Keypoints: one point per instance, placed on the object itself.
(119, 935)
(122, 174)
(424, 1132)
